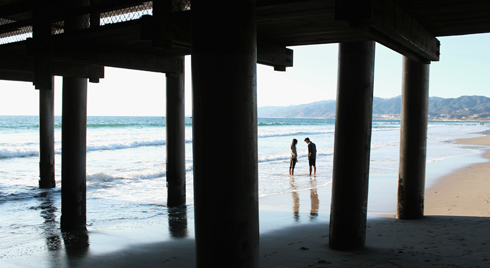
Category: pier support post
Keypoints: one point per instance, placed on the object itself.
(73, 155)
(74, 141)
(175, 127)
(352, 145)
(45, 83)
(413, 139)
(46, 137)
(224, 57)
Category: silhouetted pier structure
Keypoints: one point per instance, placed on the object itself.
(76, 39)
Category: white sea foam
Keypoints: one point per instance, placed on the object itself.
(124, 145)
(32, 149)
(442, 158)
(380, 145)
(292, 133)
(102, 179)
(17, 152)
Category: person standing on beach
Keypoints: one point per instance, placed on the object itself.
(294, 157)
(311, 155)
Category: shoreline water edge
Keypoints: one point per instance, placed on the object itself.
(293, 215)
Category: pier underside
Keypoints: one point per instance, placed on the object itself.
(151, 41)
(77, 39)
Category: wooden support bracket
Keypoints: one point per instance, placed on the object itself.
(276, 56)
(388, 24)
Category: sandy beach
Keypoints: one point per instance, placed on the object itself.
(294, 233)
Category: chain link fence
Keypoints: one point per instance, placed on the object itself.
(14, 26)
(181, 5)
(17, 17)
(126, 14)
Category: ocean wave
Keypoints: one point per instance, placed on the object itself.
(27, 149)
(442, 158)
(110, 125)
(294, 121)
(292, 133)
(102, 179)
(381, 145)
(126, 145)
(18, 152)
(27, 193)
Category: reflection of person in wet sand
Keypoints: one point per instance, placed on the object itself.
(294, 157)
(315, 202)
(295, 198)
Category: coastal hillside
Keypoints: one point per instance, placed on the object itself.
(462, 108)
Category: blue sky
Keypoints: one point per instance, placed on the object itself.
(463, 69)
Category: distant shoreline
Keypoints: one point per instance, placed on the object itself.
(387, 118)
(381, 117)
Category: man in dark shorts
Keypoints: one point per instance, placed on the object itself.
(311, 155)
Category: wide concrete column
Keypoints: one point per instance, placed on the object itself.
(225, 133)
(74, 140)
(352, 145)
(175, 127)
(413, 139)
(46, 137)
(73, 155)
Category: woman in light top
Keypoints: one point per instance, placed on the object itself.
(294, 157)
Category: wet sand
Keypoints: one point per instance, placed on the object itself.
(294, 233)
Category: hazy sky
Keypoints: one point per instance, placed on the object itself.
(463, 69)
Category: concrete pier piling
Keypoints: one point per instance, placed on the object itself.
(46, 138)
(44, 81)
(175, 127)
(413, 139)
(74, 142)
(225, 133)
(73, 155)
(352, 145)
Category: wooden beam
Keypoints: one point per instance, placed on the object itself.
(23, 69)
(390, 25)
(275, 56)
(395, 23)
(73, 69)
(120, 58)
(16, 76)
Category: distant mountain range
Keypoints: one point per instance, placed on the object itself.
(463, 108)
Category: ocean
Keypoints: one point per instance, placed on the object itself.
(126, 178)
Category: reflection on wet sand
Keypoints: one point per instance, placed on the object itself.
(75, 243)
(177, 222)
(315, 202)
(295, 194)
(50, 226)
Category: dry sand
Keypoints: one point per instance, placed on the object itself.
(465, 192)
(455, 234)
